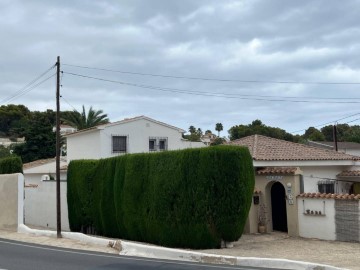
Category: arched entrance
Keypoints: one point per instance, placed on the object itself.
(278, 205)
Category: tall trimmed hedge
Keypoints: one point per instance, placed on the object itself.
(11, 165)
(80, 193)
(190, 198)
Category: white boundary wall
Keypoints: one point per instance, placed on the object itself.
(11, 201)
(40, 204)
(321, 226)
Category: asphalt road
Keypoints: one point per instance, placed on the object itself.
(18, 256)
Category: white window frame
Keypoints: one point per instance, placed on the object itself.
(157, 141)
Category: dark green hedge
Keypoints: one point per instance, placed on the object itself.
(80, 193)
(11, 165)
(190, 198)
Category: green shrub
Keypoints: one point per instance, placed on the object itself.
(10, 165)
(192, 198)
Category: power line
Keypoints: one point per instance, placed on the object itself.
(68, 103)
(211, 79)
(331, 122)
(352, 121)
(203, 93)
(25, 91)
(28, 87)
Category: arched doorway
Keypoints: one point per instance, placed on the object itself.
(278, 205)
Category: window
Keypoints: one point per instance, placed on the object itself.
(162, 145)
(119, 144)
(326, 186)
(152, 144)
(158, 144)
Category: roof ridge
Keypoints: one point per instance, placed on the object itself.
(123, 121)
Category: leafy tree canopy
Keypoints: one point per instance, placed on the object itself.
(313, 134)
(195, 134)
(37, 128)
(257, 127)
(40, 140)
(12, 118)
(345, 133)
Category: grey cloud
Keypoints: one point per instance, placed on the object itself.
(248, 40)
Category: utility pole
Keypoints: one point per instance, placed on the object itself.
(335, 138)
(58, 205)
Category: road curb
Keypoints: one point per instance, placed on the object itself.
(149, 251)
(135, 249)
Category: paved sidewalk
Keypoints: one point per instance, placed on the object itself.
(274, 245)
(53, 241)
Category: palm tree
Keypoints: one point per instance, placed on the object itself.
(82, 120)
(218, 128)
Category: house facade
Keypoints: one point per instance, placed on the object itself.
(134, 135)
(285, 171)
(40, 193)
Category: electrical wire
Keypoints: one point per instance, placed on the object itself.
(25, 91)
(69, 104)
(352, 121)
(28, 86)
(331, 122)
(203, 93)
(210, 79)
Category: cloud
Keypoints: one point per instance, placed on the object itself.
(307, 41)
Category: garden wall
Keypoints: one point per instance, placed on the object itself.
(11, 201)
(40, 203)
(329, 216)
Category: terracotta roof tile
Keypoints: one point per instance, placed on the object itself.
(277, 170)
(348, 173)
(37, 163)
(330, 196)
(270, 149)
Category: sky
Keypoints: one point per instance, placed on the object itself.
(291, 64)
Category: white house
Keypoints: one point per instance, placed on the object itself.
(40, 193)
(133, 135)
(287, 174)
